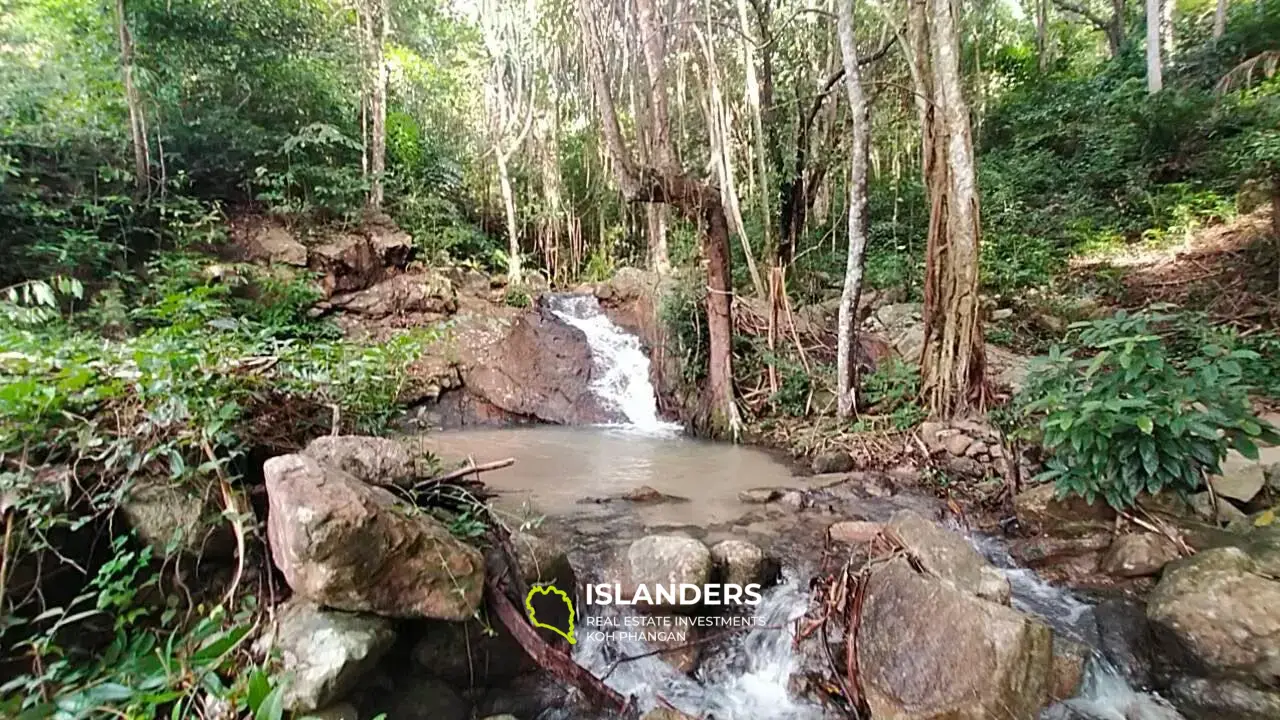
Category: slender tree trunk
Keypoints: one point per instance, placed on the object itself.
(1155, 67)
(1116, 27)
(137, 120)
(1167, 8)
(1220, 19)
(846, 400)
(378, 22)
(656, 222)
(1042, 33)
(513, 229)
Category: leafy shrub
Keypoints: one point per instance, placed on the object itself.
(1121, 413)
(893, 390)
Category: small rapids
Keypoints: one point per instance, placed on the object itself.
(746, 679)
(1104, 693)
(624, 383)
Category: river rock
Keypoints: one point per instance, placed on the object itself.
(542, 561)
(929, 651)
(1220, 699)
(1067, 672)
(423, 697)
(760, 496)
(664, 560)
(178, 516)
(1239, 481)
(666, 714)
(1041, 550)
(1214, 611)
(1227, 514)
(950, 557)
(324, 653)
(738, 562)
(469, 654)
(1125, 639)
(1039, 509)
(353, 546)
(375, 460)
(1138, 555)
(543, 369)
(854, 532)
(833, 461)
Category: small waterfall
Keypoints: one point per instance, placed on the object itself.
(745, 680)
(624, 383)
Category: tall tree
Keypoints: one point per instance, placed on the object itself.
(137, 118)
(1220, 19)
(952, 361)
(1155, 66)
(663, 180)
(373, 25)
(510, 92)
(858, 166)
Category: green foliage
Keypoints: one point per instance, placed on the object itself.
(153, 663)
(517, 298)
(314, 172)
(794, 388)
(683, 317)
(1122, 411)
(893, 390)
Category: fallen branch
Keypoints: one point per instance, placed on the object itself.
(465, 471)
(548, 658)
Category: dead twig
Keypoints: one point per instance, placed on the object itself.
(465, 471)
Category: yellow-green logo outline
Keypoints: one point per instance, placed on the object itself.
(547, 590)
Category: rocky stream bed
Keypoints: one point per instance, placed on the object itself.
(1056, 609)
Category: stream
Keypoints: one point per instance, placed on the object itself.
(574, 476)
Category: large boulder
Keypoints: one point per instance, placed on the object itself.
(1216, 614)
(1139, 555)
(375, 460)
(1039, 509)
(663, 560)
(949, 557)
(353, 546)
(928, 651)
(542, 369)
(324, 653)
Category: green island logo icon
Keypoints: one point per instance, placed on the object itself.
(537, 590)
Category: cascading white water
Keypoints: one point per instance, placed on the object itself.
(624, 383)
(747, 680)
(1104, 693)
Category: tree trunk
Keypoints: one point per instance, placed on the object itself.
(1116, 28)
(1275, 223)
(952, 362)
(656, 222)
(1042, 33)
(698, 201)
(373, 25)
(1220, 19)
(846, 400)
(1155, 68)
(513, 230)
(137, 120)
